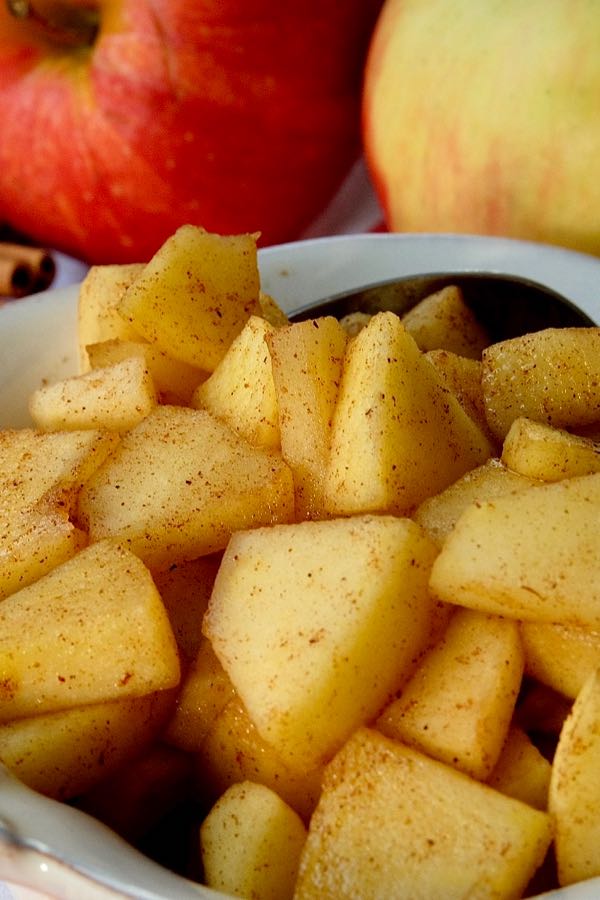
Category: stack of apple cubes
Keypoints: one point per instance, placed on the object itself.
(310, 567)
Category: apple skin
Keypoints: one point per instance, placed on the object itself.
(484, 118)
(238, 116)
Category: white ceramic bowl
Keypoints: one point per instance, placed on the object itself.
(50, 847)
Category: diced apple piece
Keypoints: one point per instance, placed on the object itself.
(531, 555)
(443, 321)
(398, 435)
(114, 398)
(307, 366)
(317, 624)
(540, 451)
(100, 293)
(37, 467)
(64, 754)
(241, 390)
(393, 823)
(560, 656)
(574, 799)
(56, 633)
(462, 376)
(271, 310)
(180, 483)
(185, 590)
(550, 376)
(41, 475)
(175, 381)
(521, 771)
(438, 515)
(251, 843)
(354, 322)
(33, 542)
(234, 751)
(195, 295)
(458, 705)
(204, 692)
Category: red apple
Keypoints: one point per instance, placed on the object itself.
(122, 119)
(485, 118)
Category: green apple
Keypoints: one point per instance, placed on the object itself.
(484, 117)
(123, 119)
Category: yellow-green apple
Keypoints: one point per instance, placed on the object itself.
(122, 119)
(484, 117)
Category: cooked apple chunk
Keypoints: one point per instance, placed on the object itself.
(560, 656)
(33, 542)
(185, 590)
(298, 615)
(63, 754)
(180, 483)
(195, 295)
(540, 451)
(241, 390)
(439, 514)
(392, 822)
(522, 771)
(532, 555)
(38, 467)
(251, 843)
(175, 381)
(234, 751)
(271, 310)
(205, 690)
(462, 376)
(398, 436)
(114, 398)
(458, 705)
(574, 798)
(99, 295)
(443, 321)
(307, 365)
(41, 475)
(550, 376)
(55, 636)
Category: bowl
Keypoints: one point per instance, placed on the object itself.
(52, 848)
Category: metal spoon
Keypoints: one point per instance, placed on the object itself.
(505, 305)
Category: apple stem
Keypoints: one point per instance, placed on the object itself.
(62, 25)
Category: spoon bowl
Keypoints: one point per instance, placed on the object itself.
(506, 305)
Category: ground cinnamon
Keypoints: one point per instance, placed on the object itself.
(24, 270)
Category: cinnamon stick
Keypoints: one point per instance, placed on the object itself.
(24, 270)
(16, 278)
